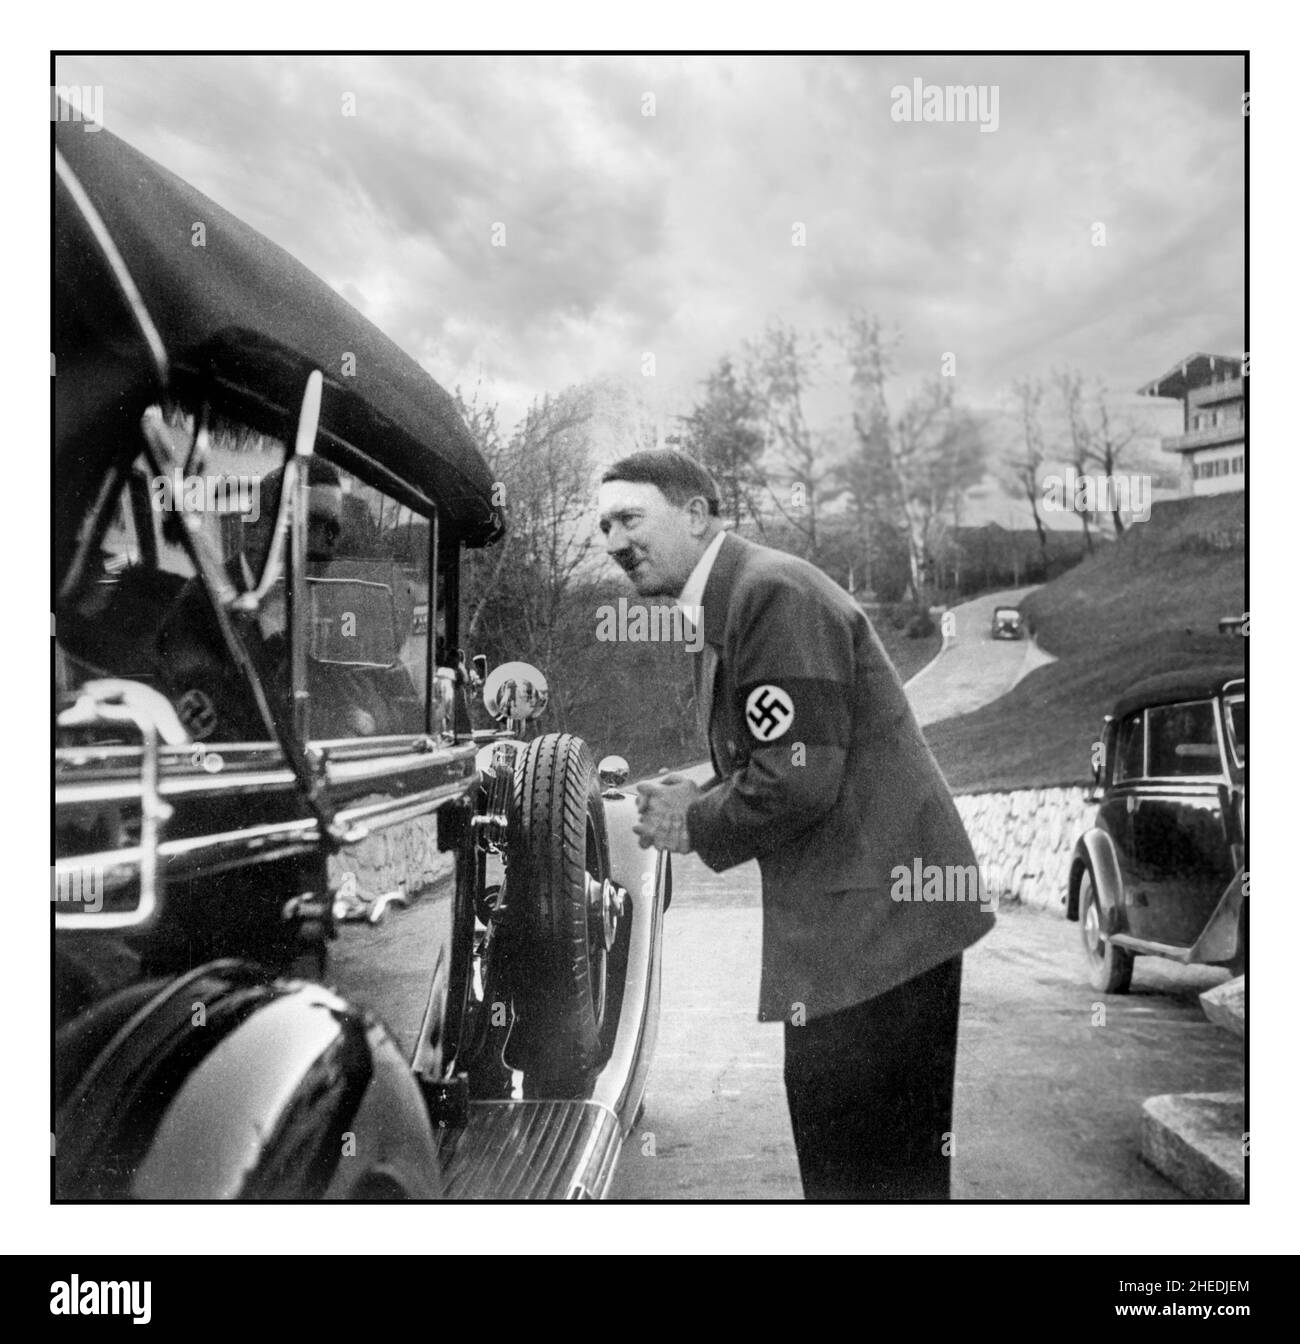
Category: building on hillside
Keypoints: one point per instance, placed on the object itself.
(1213, 442)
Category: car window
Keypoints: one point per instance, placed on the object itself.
(1236, 717)
(368, 579)
(136, 609)
(1130, 740)
(232, 492)
(1183, 740)
(109, 617)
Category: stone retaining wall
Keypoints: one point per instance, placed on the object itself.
(403, 858)
(1024, 840)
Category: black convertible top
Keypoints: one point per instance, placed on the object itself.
(1195, 683)
(242, 311)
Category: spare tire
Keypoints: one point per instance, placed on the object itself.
(559, 964)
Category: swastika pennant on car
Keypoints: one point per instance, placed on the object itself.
(769, 711)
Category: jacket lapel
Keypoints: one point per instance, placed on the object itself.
(706, 671)
(713, 613)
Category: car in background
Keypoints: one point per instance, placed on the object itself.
(1162, 870)
(1008, 623)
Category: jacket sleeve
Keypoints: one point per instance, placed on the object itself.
(792, 667)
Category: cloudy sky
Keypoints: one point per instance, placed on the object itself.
(672, 233)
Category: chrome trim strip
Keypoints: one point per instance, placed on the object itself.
(337, 773)
(279, 837)
(335, 749)
(154, 812)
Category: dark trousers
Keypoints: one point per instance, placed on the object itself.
(870, 1092)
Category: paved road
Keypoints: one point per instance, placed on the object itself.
(1049, 1093)
(976, 669)
(1047, 1100)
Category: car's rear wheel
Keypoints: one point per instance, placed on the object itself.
(558, 941)
(1110, 968)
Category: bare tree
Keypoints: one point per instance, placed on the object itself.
(939, 453)
(781, 369)
(1069, 383)
(1026, 464)
(1113, 436)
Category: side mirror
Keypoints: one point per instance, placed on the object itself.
(515, 691)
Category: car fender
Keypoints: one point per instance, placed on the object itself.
(630, 866)
(1095, 847)
(227, 1085)
(1220, 940)
(646, 875)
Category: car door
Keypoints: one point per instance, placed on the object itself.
(377, 612)
(1113, 814)
(1181, 857)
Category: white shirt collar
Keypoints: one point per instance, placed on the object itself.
(692, 594)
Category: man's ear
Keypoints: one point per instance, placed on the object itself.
(698, 508)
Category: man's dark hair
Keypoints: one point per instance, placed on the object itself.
(678, 478)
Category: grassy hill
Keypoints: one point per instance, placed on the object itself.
(1149, 603)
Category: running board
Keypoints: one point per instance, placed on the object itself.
(1167, 950)
(531, 1150)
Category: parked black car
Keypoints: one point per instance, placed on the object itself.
(263, 716)
(1162, 871)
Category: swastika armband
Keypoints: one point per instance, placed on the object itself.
(769, 712)
(813, 710)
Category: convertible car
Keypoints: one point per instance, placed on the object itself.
(265, 725)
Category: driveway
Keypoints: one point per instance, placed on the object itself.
(1051, 1076)
(974, 669)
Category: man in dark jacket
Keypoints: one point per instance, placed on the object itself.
(870, 889)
